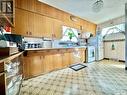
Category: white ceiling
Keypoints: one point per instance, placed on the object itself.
(83, 9)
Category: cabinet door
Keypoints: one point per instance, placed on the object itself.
(57, 28)
(66, 59)
(28, 23)
(26, 4)
(121, 50)
(48, 27)
(40, 7)
(107, 50)
(92, 28)
(31, 22)
(39, 26)
(36, 65)
(21, 22)
(26, 62)
(76, 56)
(82, 55)
(76, 26)
(24, 23)
(72, 61)
(84, 26)
(57, 61)
(2, 84)
(33, 66)
(48, 64)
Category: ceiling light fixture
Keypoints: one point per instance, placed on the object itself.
(97, 6)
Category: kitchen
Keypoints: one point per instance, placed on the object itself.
(48, 49)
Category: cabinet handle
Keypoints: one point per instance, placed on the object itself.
(30, 33)
(27, 33)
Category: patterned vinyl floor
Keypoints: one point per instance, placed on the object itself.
(98, 78)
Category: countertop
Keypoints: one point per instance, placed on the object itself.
(34, 49)
(6, 59)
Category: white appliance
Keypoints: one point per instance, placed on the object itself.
(99, 47)
(90, 54)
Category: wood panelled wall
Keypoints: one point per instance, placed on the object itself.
(33, 18)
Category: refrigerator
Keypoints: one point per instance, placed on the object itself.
(97, 41)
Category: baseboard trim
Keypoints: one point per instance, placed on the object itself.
(106, 58)
(121, 61)
(114, 59)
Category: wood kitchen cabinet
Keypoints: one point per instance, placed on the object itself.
(91, 28)
(66, 59)
(24, 23)
(39, 25)
(33, 66)
(48, 27)
(29, 24)
(40, 62)
(40, 8)
(82, 55)
(88, 27)
(57, 61)
(78, 56)
(57, 28)
(36, 65)
(21, 22)
(53, 17)
(48, 63)
(25, 4)
(26, 62)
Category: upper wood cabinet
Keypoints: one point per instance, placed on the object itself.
(43, 20)
(88, 27)
(57, 28)
(24, 23)
(48, 27)
(21, 22)
(30, 24)
(25, 4)
(39, 25)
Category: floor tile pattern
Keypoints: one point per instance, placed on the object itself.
(98, 78)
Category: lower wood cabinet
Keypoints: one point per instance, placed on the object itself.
(36, 63)
(57, 61)
(48, 63)
(66, 59)
(33, 65)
